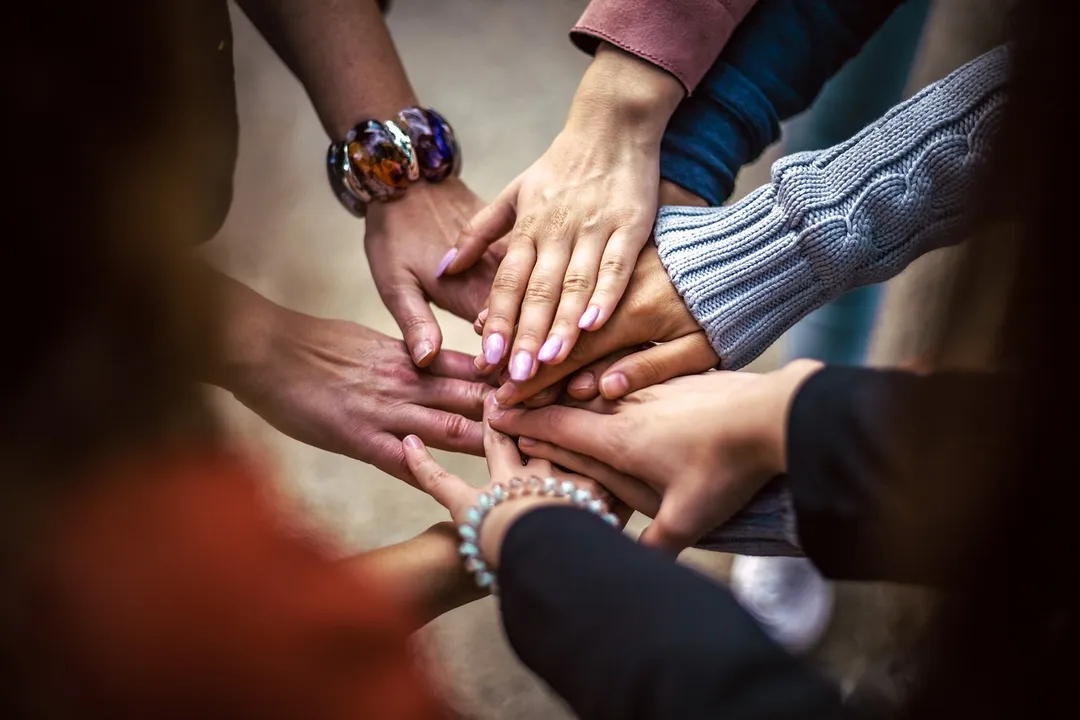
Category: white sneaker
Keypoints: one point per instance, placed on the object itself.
(788, 596)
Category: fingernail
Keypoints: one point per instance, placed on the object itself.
(614, 385)
(421, 351)
(413, 442)
(493, 348)
(550, 349)
(495, 410)
(503, 394)
(526, 441)
(589, 317)
(445, 262)
(584, 381)
(482, 317)
(521, 366)
(480, 363)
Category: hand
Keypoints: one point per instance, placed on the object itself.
(404, 240)
(652, 311)
(504, 464)
(704, 444)
(345, 388)
(579, 216)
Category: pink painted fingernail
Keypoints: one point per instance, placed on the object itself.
(521, 366)
(445, 262)
(614, 385)
(589, 317)
(493, 348)
(550, 349)
(411, 441)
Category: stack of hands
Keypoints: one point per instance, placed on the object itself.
(582, 334)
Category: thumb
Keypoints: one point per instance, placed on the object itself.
(687, 355)
(449, 490)
(485, 228)
(413, 314)
(673, 528)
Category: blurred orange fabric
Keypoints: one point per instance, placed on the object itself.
(178, 588)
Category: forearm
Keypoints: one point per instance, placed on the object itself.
(341, 51)
(571, 587)
(425, 573)
(244, 331)
(851, 215)
(775, 65)
(872, 457)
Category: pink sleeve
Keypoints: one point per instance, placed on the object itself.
(683, 37)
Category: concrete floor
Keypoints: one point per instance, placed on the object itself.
(504, 73)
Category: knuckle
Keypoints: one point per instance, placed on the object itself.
(540, 292)
(508, 281)
(616, 264)
(576, 283)
(457, 427)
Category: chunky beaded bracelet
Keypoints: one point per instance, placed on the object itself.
(548, 487)
(379, 160)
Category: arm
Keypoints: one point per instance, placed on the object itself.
(424, 573)
(342, 53)
(570, 589)
(851, 215)
(776, 63)
(684, 37)
(871, 455)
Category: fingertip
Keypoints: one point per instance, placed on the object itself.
(614, 385)
(412, 442)
(589, 318)
(424, 353)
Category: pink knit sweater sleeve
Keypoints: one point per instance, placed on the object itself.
(683, 37)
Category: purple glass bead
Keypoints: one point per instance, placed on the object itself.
(434, 141)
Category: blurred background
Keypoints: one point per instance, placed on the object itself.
(503, 72)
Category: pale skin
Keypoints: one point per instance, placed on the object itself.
(690, 452)
(577, 219)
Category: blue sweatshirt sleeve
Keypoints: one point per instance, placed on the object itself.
(778, 60)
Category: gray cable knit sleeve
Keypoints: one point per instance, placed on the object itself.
(833, 220)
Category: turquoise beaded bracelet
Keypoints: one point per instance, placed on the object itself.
(548, 487)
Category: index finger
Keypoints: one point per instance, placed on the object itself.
(589, 347)
(582, 431)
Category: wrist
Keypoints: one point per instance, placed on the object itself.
(502, 517)
(621, 92)
(784, 385)
(674, 194)
(249, 325)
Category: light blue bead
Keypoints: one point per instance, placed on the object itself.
(467, 532)
(468, 550)
(473, 516)
(610, 519)
(596, 506)
(548, 488)
(485, 502)
(566, 489)
(485, 579)
(581, 496)
(474, 565)
(499, 493)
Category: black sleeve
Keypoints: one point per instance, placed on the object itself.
(620, 630)
(871, 454)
